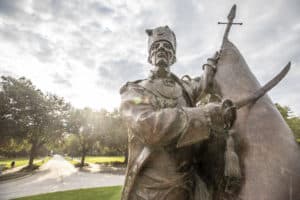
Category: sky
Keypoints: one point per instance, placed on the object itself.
(86, 50)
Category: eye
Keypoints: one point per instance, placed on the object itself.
(155, 46)
(167, 46)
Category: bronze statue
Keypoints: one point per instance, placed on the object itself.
(182, 135)
(164, 124)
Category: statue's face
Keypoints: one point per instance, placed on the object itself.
(162, 54)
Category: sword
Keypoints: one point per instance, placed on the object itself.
(229, 107)
(263, 90)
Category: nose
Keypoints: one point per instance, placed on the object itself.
(161, 46)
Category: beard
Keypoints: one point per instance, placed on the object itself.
(160, 60)
(161, 63)
(162, 68)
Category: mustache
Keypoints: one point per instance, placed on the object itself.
(160, 52)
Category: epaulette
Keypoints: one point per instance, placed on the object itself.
(130, 83)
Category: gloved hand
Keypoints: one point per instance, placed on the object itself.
(213, 60)
(222, 116)
(215, 112)
(229, 113)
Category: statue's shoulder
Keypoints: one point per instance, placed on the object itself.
(138, 84)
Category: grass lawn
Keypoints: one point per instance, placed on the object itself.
(97, 159)
(103, 193)
(21, 161)
(73, 161)
(104, 159)
(41, 161)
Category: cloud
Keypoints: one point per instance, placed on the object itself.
(4, 72)
(100, 45)
(10, 8)
(9, 33)
(101, 8)
(112, 75)
(59, 79)
(27, 42)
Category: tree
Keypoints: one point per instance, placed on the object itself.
(10, 130)
(71, 145)
(34, 117)
(83, 123)
(291, 119)
(115, 135)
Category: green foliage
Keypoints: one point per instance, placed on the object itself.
(33, 121)
(292, 120)
(71, 144)
(285, 111)
(83, 123)
(294, 123)
(96, 133)
(115, 136)
(107, 193)
(12, 145)
(28, 116)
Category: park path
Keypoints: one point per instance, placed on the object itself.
(56, 175)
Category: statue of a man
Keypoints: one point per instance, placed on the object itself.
(165, 125)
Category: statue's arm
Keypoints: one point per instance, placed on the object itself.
(159, 127)
(205, 84)
(209, 70)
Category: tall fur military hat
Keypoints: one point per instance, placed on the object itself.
(161, 33)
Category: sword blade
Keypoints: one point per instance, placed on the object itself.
(263, 90)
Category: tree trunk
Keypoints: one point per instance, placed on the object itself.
(126, 156)
(82, 159)
(32, 154)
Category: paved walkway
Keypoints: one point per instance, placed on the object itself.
(12, 170)
(56, 175)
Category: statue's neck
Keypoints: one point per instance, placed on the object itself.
(160, 72)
